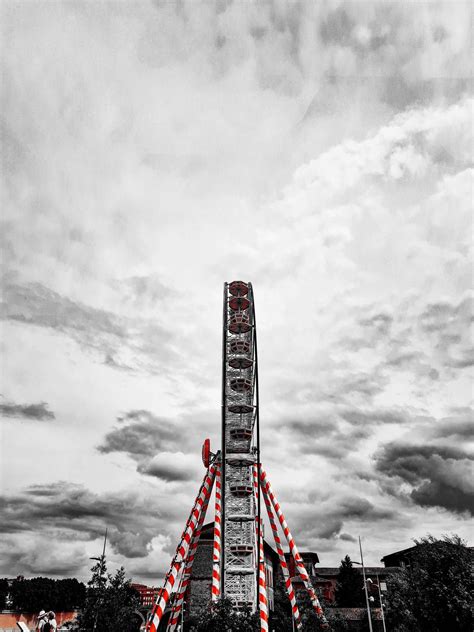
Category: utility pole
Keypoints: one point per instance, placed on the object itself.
(365, 587)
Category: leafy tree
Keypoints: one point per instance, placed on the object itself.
(350, 585)
(433, 593)
(280, 618)
(110, 604)
(32, 595)
(4, 590)
(224, 618)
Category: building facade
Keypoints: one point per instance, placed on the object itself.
(198, 597)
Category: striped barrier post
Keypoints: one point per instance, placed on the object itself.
(262, 584)
(284, 567)
(181, 551)
(216, 551)
(186, 576)
(293, 549)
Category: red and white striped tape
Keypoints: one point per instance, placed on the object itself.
(186, 576)
(267, 490)
(216, 554)
(284, 567)
(262, 584)
(182, 550)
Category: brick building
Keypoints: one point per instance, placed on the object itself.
(199, 591)
(148, 594)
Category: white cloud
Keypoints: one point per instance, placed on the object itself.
(321, 152)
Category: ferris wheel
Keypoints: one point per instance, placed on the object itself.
(236, 474)
(240, 447)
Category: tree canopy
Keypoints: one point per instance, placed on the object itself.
(433, 592)
(42, 593)
(110, 604)
(224, 618)
(350, 586)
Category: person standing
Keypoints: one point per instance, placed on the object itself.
(40, 623)
(53, 625)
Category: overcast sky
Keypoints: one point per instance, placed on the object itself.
(152, 151)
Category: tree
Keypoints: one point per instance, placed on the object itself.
(224, 618)
(43, 593)
(280, 618)
(433, 593)
(110, 604)
(4, 590)
(350, 586)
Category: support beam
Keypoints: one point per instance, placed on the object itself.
(182, 550)
(268, 492)
(284, 567)
(186, 575)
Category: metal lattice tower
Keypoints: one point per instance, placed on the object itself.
(240, 447)
(238, 565)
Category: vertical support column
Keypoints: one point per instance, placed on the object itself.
(267, 490)
(217, 548)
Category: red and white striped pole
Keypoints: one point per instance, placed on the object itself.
(216, 555)
(262, 584)
(267, 490)
(186, 576)
(284, 567)
(182, 550)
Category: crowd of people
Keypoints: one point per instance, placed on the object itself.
(46, 622)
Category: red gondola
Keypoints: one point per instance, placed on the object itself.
(240, 384)
(239, 323)
(237, 303)
(240, 362)
(238, 288)
(240, 346)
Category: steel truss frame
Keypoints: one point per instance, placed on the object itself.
(180, 570)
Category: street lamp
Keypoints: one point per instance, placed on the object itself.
(365, 586)
(366, 581)
(381, 604)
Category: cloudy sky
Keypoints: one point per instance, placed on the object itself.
(152, 151)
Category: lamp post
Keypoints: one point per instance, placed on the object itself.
(381, 604)
(365, 586)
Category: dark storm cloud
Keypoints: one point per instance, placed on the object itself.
(38, 411)
(337, 434)
(103, 331)
(154, 443)
(459, 426)
(347, 537)
(329, 524)
(168, 471)
(69, 511)
(142, 434)
(325, 436)
(36, 304)
(376, 417)
(438, 476)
